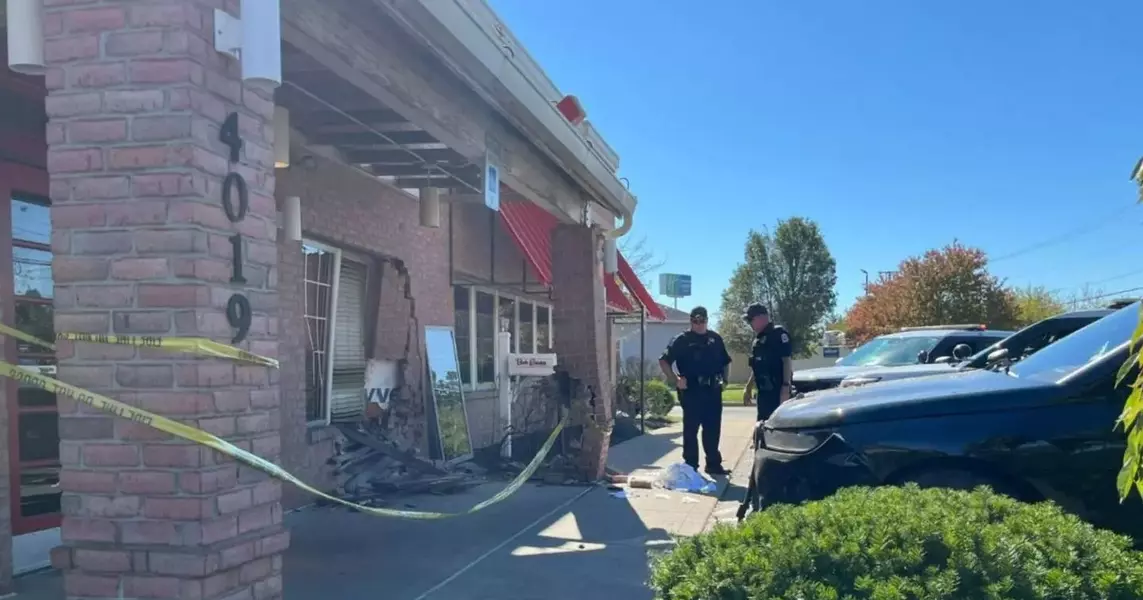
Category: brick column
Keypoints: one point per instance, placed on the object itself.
(579, 323)
(136, 98)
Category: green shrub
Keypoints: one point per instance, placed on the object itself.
(903, 543)
(657, 398)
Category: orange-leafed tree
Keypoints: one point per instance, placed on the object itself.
(951, 285)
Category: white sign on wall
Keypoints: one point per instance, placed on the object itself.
(540, 365)
(380, 382)
(491, 183)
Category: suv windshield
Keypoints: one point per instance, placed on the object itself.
(889, 351)
(1080, 348)
(1029, 340)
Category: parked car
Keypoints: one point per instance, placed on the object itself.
(1042, 428)
(910, 346)
(1015, 347)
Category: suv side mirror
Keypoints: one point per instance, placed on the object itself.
(923, 356)
(998, 355)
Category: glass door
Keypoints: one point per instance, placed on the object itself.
(33, 444)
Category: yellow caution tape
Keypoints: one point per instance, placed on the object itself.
(192, 434)
(192, 345)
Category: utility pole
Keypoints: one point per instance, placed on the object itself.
(866, 280)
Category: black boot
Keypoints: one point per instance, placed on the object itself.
(716, 470)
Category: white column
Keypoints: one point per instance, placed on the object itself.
(504, 387)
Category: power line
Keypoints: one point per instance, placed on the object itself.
(1066, 236)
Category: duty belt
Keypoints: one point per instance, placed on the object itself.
(707, 381)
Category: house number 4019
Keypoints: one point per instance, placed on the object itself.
(234, 191)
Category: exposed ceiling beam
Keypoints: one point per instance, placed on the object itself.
(362, 136)
(401, 157)
(469, 172)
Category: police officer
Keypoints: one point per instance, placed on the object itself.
(770, 368)
(703, 363)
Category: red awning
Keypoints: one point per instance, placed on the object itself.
(531, 227)
(631, 280)
(616, 299)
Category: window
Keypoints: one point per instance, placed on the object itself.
(526, 343)
(320, 265)
(480, 314)
(335, 320)
(485, 350)
(462, 304)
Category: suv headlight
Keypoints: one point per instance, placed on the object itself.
(794, 441)
(856, 381)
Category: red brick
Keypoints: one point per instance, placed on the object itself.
(104, 296)
(172, 455)
(175, 509)
(209, 482)
(217, 530)
(255, 423)
(78, 584)
(133, 43)
(78, 216)
(142, 321)
(102, 561)
(75, 161)
(228, 401)
(87, 376)
(222, 584)
(219, 426)
(94, 19)
(82, 322)
(55, 133)
(150, 532)
(169, 241)
(67, 269)
(143, 586)
(74, 529)
(130, 431)
(269, 588)
(165, 70)
(144, 376)
(71, 48)
(263, 399)
(200, 213)
(102, 242)
(108, 507)
(253, 376)
(235, 501)
(258, 517)
(177, 563)
(137, 212)
(133, 101)
(163, 184)
(139, 268)
(96, 75)
(203, 269)
(168, 127)
(173, 403)
(60, 558)
(206, 375)
(236, 555)
(164, 15)
(141, 157)
(100, 188)
(257, 570)
(86, 428)
(110, 455)
(147, 482)
(71, 105)
(92, 482)
(154, 295)
(267, 491)
(267, 446)
(106, 130)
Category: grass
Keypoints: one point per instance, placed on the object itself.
(731, 395)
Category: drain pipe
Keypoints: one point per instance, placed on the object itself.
(610, 247)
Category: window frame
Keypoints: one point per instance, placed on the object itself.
(474, 384)
(331, 326)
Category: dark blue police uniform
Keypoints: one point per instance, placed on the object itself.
(701, 359)
(771, 345)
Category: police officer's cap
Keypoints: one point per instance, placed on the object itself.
(754, 310)
(698, 312)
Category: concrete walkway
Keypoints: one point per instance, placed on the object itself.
(544, 542)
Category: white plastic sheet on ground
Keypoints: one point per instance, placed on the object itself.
(684, 478)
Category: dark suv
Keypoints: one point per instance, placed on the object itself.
(1042, 428)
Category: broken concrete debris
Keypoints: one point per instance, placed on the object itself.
(370, 468)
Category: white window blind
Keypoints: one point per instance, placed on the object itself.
(347, 402)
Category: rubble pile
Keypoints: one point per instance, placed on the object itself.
(369, 468)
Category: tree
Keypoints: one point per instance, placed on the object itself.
(946, 286)
(642, 259)
(1036, 303)
(793, 273)
(1087, 297)
(1130, 475)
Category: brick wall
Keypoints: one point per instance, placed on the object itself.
(346, 209)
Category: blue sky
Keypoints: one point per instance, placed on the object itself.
(897, 125)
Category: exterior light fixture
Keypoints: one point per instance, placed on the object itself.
(281, 138)
(255, 40)
(571, 109)
(430, 207)
(25, 36)
(610, 255)
(292, 218)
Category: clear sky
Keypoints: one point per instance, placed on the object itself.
(897, 125)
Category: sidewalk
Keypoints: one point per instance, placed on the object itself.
(543, 543)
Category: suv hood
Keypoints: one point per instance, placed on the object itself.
(831, 373)
(918, 397)
(909, 371)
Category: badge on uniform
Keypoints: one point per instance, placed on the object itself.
(785, 339)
